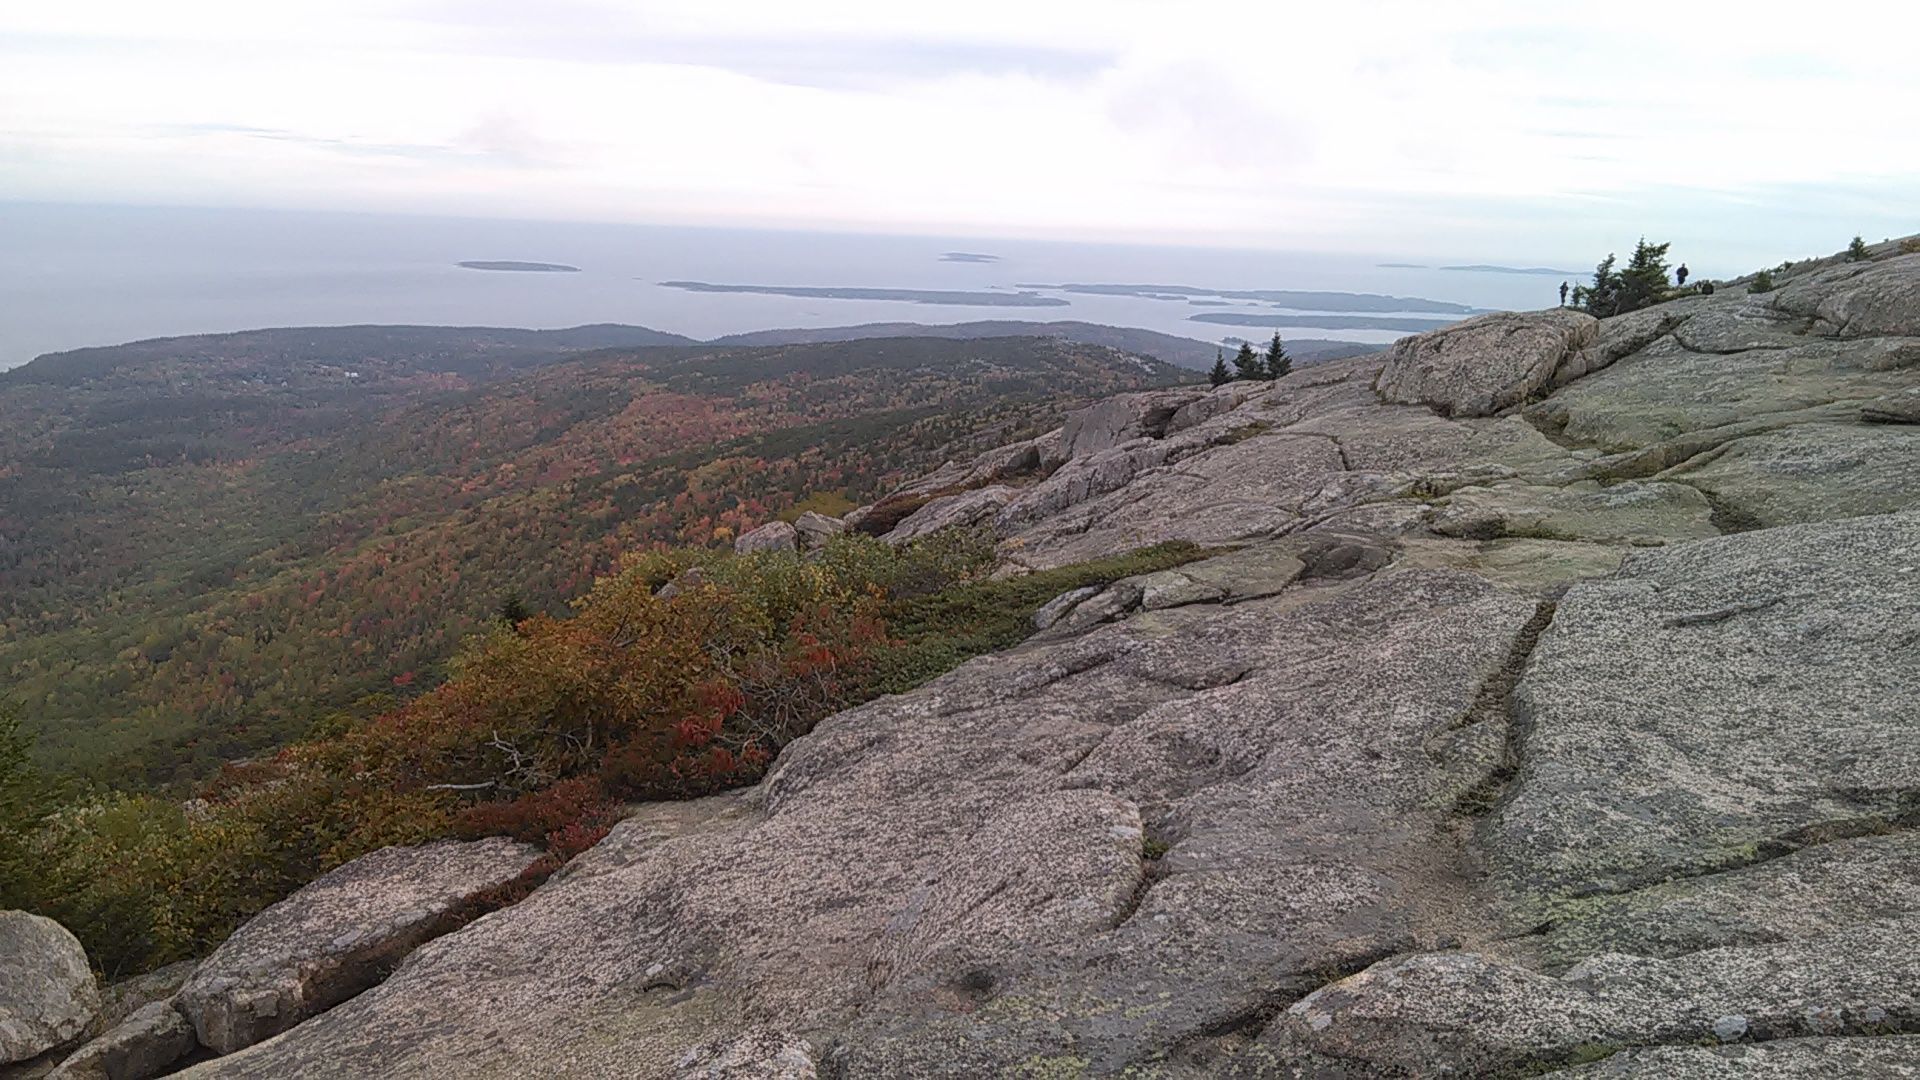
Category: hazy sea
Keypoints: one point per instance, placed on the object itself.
(72, 276)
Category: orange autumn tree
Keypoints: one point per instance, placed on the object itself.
(634, 696)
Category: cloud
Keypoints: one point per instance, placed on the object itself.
(1479, 128)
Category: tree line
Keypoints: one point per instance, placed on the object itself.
(1250, 365)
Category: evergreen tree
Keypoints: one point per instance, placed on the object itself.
(1219, 376)
(1247, 363)
(513, 610)
(1278, 362)
(1857, 251)
(1642, 283)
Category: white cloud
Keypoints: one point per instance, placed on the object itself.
(1482, 127)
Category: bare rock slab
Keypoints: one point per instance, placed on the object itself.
(47, 992)
(1483, 365)
(773, 536)
(148, 1043)
(1717, 703)
(338, 936)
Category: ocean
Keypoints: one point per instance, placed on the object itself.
(74, 276)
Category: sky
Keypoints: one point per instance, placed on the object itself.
(1504, 130)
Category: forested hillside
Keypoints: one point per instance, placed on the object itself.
(209, 544)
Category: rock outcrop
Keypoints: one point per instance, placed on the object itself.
(339, 935)
(773, 536)
(1546, 709)
(148, 1043)
(48, 996)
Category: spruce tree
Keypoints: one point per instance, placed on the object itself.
(1247, 363)
(1219, 376)
(1857, 251)
(1278, 362)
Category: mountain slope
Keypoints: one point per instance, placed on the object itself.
(202, 551)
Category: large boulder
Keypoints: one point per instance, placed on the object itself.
(965, 509)
(773, 536)
(48, 996)
(340, 935)
(812, 530)
(148, 1043)
(1486, 364)
(1125, 417)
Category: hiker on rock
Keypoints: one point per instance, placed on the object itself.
(1681, 274)
(1563, 294)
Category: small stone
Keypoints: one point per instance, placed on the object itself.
(1729, 1028)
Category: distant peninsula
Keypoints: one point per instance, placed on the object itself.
(1403, 266)
(1286, 298)
(521, 267)
(968, 257)
(1543, 271)
(910, 296)
(1325, 322)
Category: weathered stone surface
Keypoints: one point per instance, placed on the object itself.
(1716, 702)
(47, 992)
(1809, 472)
(338, 936)
(1634, 512)
(148, 1043)
(1890, 1056)
(773, 536)
(966, 509)
(1853, 300)
(1124, 418)
(813, 530)
(1464, 1014)
(1055, 609)
(1485, 364)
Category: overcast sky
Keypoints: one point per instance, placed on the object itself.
(1535, 130)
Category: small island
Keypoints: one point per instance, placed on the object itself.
(520, 267)
(968, 257)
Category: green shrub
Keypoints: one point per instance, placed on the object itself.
(1762, 282)
(1857, 251)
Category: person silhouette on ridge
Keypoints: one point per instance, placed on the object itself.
(1681, 273)
(1563, 294)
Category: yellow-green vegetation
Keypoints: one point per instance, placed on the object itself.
(544, 726)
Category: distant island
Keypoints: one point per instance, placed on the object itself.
(1544, 271)
(522, 267)
(910, 296)
(1403, 266)
(1287, 298)
(1325, 322)
(968, 257)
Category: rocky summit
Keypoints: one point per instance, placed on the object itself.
(1545, 706)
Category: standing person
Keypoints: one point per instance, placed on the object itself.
(1563, 294)
(1681, 274)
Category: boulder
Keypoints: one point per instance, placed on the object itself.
(690, 578)
(1854, 300)
(148, 1043)
(1485, 364)
(812, 531)
(966, 509)
(1124, 418)
(48, 996)
(1057, 608)
(339, 935)
(773, 536)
